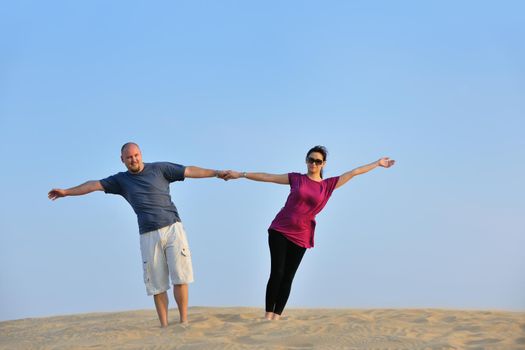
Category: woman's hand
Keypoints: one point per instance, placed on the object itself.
(386, 162)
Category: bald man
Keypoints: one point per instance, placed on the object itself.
(163, 243)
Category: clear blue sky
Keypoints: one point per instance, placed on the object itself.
(252, 85)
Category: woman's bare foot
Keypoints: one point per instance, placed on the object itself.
(270, 316)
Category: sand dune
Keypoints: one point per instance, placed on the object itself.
(243, 328)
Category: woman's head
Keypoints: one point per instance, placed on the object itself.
(316, 159)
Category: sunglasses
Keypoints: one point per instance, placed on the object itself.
(313, 160)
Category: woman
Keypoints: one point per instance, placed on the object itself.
(292, 230)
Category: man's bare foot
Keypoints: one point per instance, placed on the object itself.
(268, 316)
(276, 317)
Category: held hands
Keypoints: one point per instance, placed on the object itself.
(228, 174)
(232, 175)
(386, 162)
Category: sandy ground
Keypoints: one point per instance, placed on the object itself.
(244, 328)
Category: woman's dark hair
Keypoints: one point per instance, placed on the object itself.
(319, 149)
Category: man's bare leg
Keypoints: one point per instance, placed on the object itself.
(161, 304)
(180, 292)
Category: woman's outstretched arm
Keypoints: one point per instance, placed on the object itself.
(384, 162)
(264, 177)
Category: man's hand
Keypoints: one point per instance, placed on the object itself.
(56, 193)
(85, 188)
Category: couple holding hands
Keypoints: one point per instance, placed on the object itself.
(163, 243)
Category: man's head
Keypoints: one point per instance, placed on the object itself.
(132, 157)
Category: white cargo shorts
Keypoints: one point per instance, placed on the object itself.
(165, 254)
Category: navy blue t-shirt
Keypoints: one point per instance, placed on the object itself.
(148, 192)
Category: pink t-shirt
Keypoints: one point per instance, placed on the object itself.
(296, 221)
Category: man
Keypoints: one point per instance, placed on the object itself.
(163, 243)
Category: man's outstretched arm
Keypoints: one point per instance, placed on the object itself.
(85, 188)
(196, 172)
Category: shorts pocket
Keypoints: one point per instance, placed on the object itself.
(145, 268)
(185, 252)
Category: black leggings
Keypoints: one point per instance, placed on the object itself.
(286, 257)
